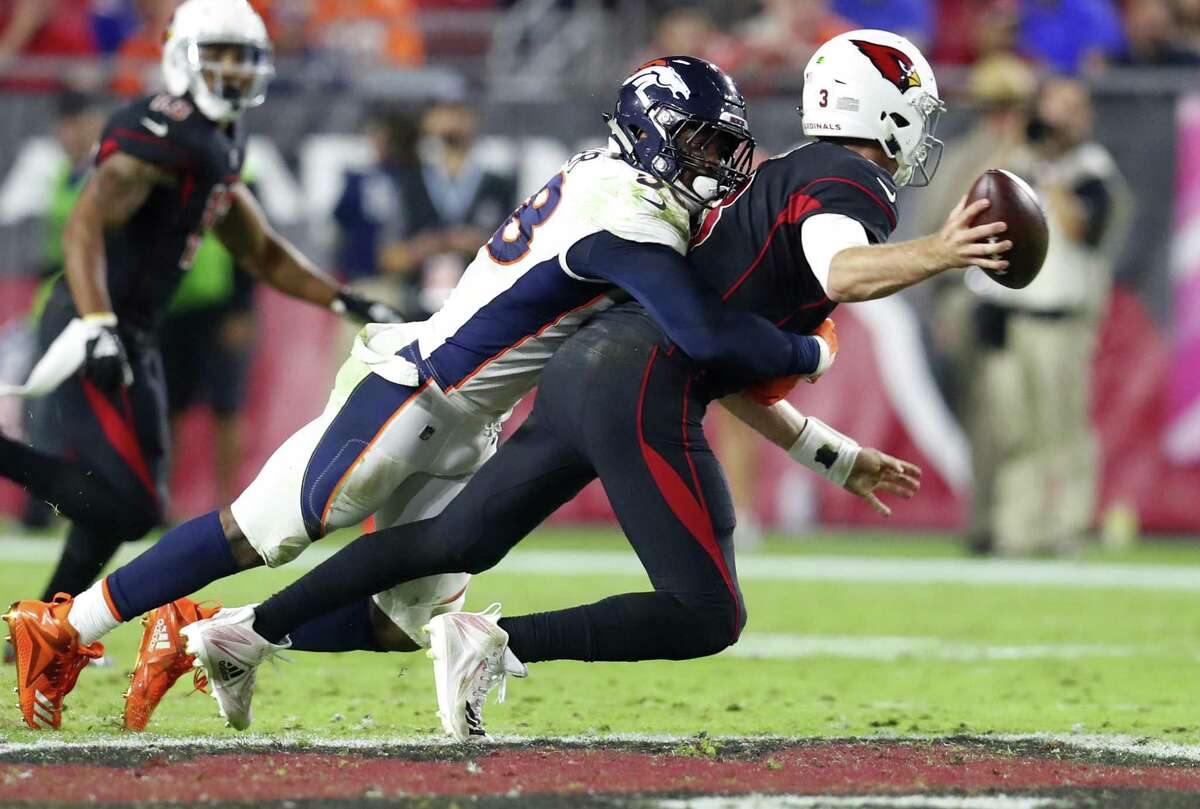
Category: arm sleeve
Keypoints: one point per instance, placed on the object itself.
(824, 236)
(692, 315)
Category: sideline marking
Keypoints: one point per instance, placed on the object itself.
(862, 802)
(1142, 747)
(891, 648)
(973, 572)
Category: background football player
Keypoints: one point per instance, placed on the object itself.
(166, 171)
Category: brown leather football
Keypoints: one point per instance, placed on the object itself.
(1014, 202)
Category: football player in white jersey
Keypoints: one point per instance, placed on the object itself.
(415, 409)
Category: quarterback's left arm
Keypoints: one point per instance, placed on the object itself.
(862, 471)
(275, 261)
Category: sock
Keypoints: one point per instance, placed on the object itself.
(344, 630)
(634, 626)
(83, 557)
(188, 557)
(91, 615)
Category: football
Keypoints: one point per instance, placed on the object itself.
(1014, 202)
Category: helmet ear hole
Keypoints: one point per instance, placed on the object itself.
(899, 120)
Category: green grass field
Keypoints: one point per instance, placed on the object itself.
(832, 657)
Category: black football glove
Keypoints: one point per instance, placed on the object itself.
(355, 307)
(105, 362)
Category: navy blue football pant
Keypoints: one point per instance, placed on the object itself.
(611, 404)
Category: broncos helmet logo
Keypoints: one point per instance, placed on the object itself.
(658, 74)
(892, 63)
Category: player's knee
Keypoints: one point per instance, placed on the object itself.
(717, 623)
(282, 551)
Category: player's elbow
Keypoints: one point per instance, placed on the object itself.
(710, 346)
(842, 288)
(706, 353)
(838, 293)
(83, 235)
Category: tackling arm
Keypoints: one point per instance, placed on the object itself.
(868, 471)
(693, 316)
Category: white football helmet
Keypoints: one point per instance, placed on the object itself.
(222, 83)
(876, 85)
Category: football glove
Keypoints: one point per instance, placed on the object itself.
(355, 307)
(105, 362)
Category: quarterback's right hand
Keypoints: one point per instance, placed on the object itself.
(105, 362)
(958, 244)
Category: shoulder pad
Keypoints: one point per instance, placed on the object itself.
(633, 205)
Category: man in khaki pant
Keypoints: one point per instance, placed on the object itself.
(1035, 455)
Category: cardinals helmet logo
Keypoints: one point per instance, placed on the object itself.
(893, 64)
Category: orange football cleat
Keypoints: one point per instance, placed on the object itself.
(49, 657)
(162, 660)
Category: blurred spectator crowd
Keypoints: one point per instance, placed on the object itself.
(751, 37)
(1069, 37)
(130, 32)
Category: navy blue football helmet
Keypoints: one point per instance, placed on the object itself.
(683, 120)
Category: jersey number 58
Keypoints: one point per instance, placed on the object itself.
(512, 241)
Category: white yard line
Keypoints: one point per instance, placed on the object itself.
(888, 648)
(861, 802)
(1094, 743)
(970, 572)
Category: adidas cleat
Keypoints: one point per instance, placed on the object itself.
(470, 658)
(230, 652)
(162, 659)
(49, 658)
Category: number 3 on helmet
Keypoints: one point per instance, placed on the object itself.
(876, 85)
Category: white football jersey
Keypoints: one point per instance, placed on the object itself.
(518, 300)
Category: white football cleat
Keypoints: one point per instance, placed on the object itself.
(470, 658)
(230, 651)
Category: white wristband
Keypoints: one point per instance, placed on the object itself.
(826, 359)
(825, 451)
(100, 319)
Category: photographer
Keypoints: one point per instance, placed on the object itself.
(1032, 385)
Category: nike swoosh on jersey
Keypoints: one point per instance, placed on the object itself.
(662, 206)
(155, 127)
(887, 192)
